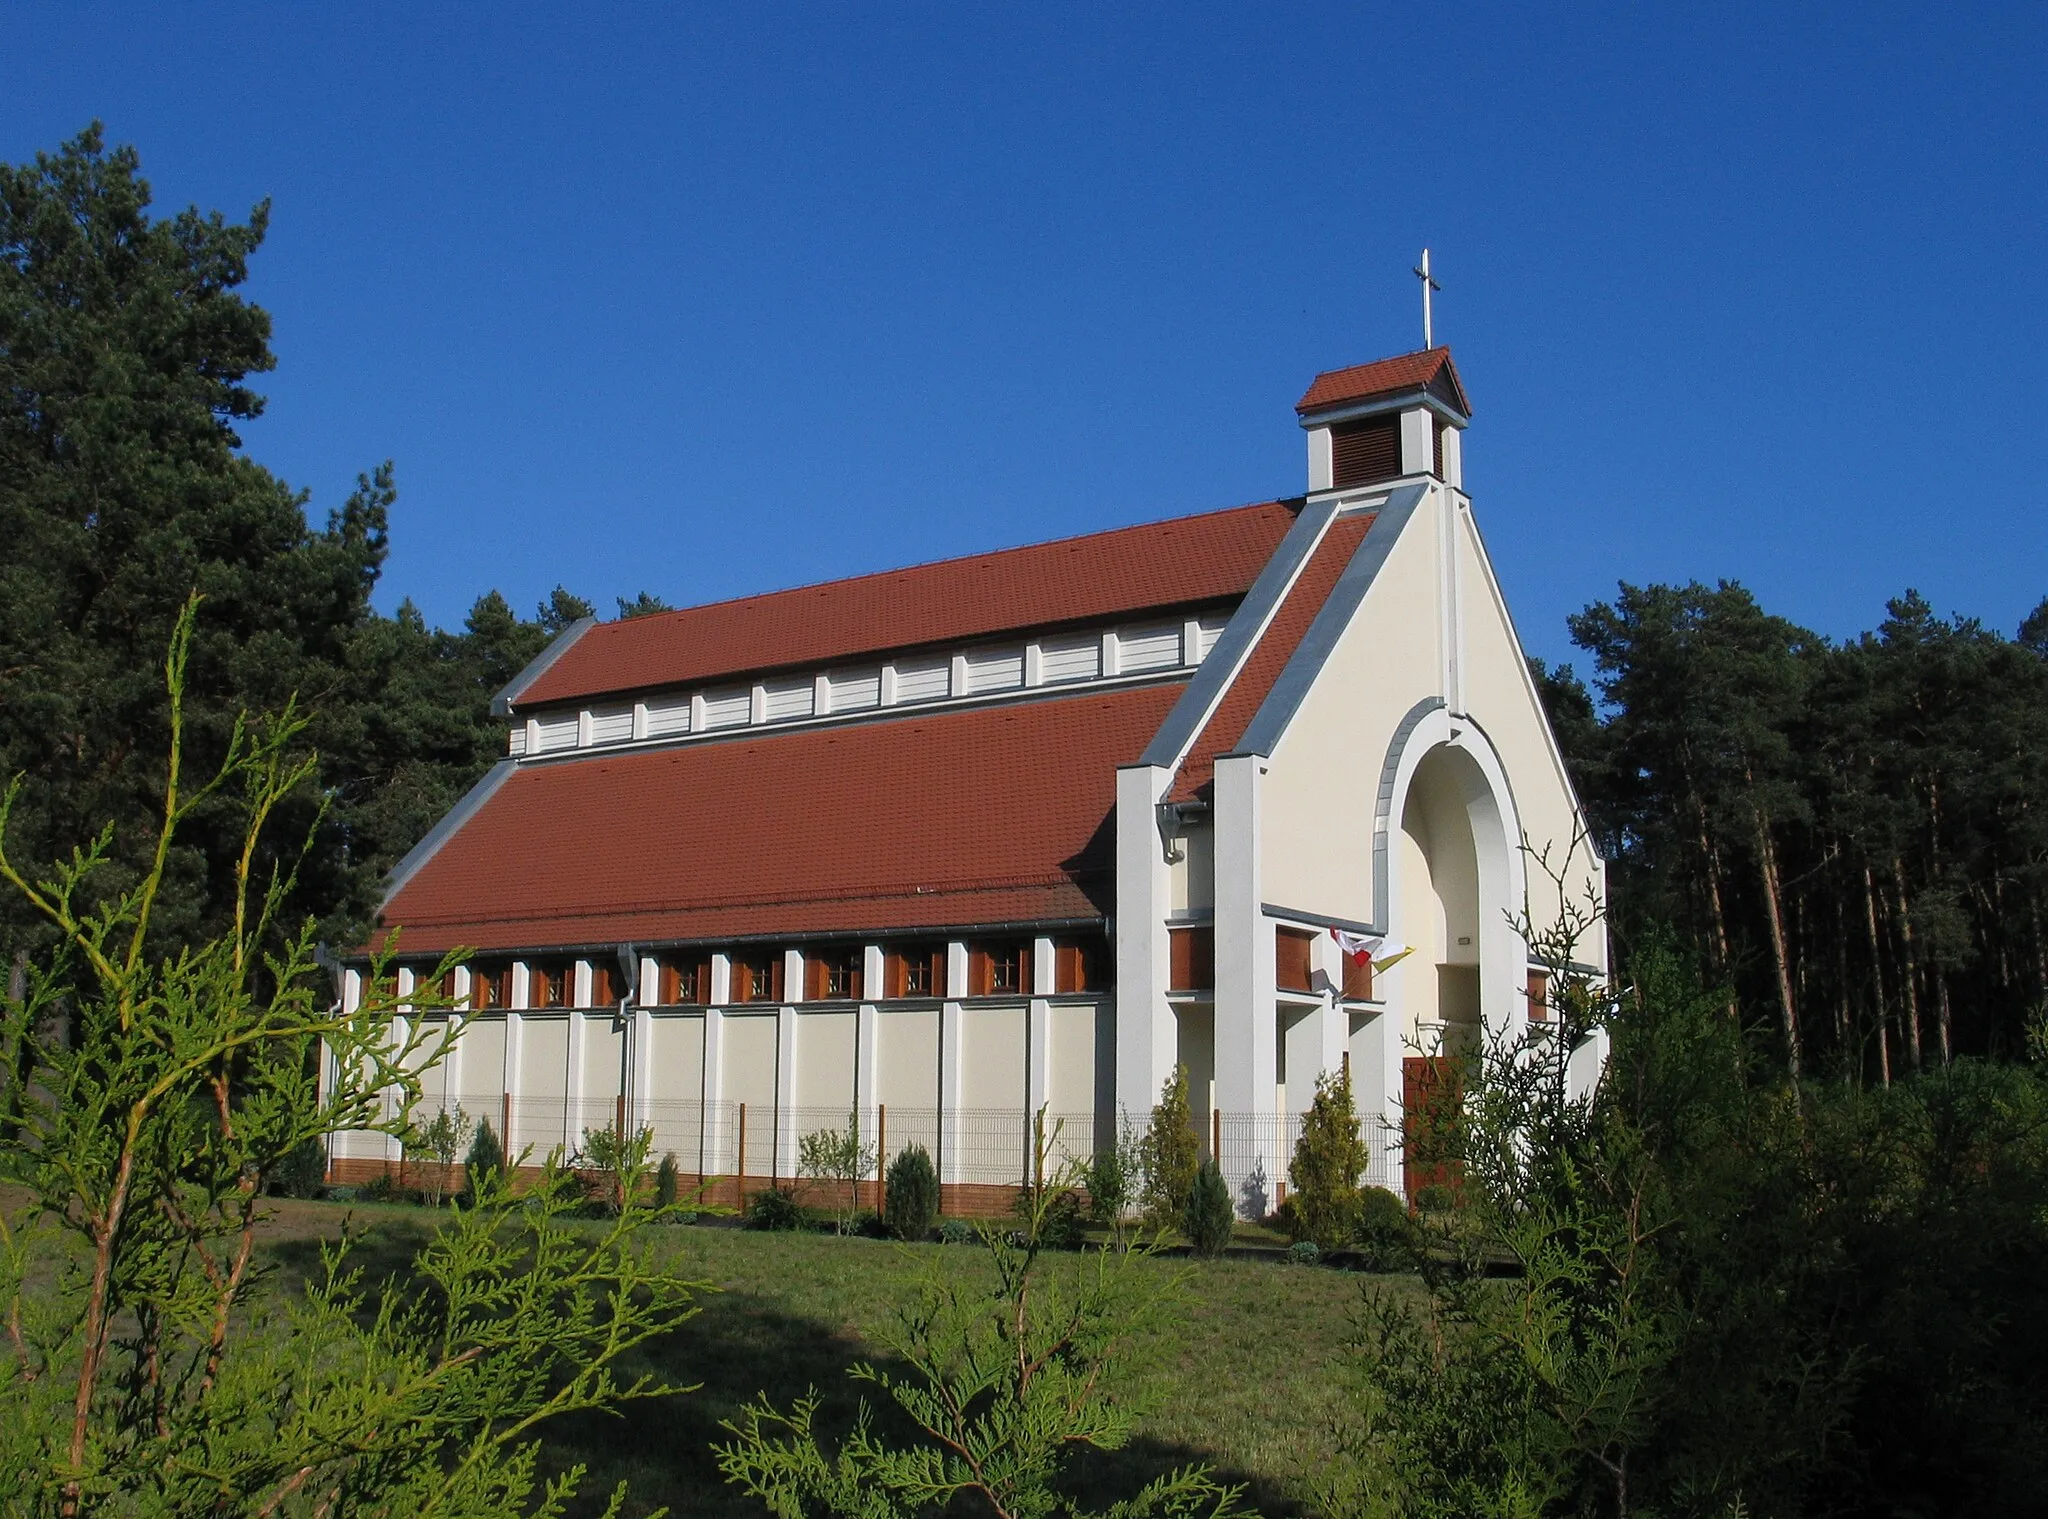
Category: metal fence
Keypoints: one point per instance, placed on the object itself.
(970, 1146)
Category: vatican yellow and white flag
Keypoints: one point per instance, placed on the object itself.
(1372, 949)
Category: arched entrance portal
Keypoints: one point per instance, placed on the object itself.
(1450, 849)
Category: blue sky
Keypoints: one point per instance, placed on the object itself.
(707, 300)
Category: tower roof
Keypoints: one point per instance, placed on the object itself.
(1429, 370)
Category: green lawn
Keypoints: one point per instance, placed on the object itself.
(1247, 1380)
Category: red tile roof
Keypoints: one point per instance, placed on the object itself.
(989, 815)
(1283, 635)
(1180, 562)
(1429, 369)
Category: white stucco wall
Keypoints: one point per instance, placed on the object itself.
(1503, 702)
(825, 1061)
(1324, 772)
(675, 1066)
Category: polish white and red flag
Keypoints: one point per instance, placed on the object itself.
(1369, 949)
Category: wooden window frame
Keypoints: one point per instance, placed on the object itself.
(550, 984)
(1294, 959)
(683, 982)
(602, 991)
(490, 987)
(745, 969)
(1539, 996)
(834, 975)
(1191, 958)
(983, 961)
(1077, 966)
(901, 966)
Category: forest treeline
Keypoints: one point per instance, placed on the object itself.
(125, 361)
(1852, 835)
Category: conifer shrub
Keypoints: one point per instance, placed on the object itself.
(1208, 1216)
(1303, 1252)
(1171, 1153)
(1328, 1160)
(1050, 1219)
(665, 1181)
(957, 1231)
(910, 1205)
(1112, 1177)
(777, 1209)
(486, 1152)
(301, 1173)
(1385, 1236)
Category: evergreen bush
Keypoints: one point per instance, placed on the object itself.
(956, 1231)
(486, 1154)
(665, 1181)
(1303, 1252)
(302, 1172)
(1171, 1153)
(776, 1209)
(1386, 1236)
(910, 1205)
(1209, 1216)
(1328, 1160)
(1112, 1178)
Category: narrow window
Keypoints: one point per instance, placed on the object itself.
(490, 986)
(833, 974)
(1291, 957)
(998, 969)
(684, 982)
(1191, 959)
(1539, 996)
(915, 970)
(1078, 966)
(757, 977)
(547, 985)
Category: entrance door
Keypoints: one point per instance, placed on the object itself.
(1429, 1111)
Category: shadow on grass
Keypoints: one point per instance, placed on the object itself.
(740, 1347)
(743, 1346)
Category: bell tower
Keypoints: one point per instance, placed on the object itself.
(1393, 419)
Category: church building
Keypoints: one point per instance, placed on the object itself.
(985, 847)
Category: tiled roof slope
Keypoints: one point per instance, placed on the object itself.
(1430, 369)
(990, 815)
(1283, 635)
(1179, 562)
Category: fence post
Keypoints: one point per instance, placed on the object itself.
(739, 1182)
(881, 1156)
(619, 1119)
(1216, 1136)
(505, 1134)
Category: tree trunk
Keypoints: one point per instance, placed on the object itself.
(1788, 1010)
(1941, 1025)
(1884, 1042)
(1907, 981)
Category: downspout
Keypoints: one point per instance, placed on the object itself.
(629, 973)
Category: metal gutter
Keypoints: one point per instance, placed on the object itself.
(501, 704)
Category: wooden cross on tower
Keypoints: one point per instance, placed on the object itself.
(1428, 284)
